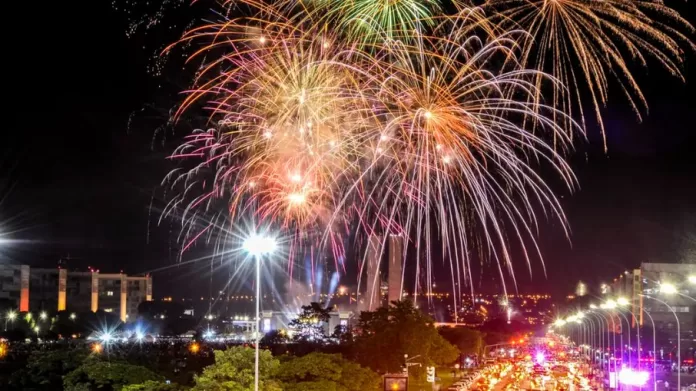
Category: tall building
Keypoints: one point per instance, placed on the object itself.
(652, 303)
(372, 299)
(395, 272)
(36, 289)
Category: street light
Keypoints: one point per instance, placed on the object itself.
(10, 316)
(43, 315)
(692, 279)
(678, 337)
(73, 316)
(257, 246)
(668, 289)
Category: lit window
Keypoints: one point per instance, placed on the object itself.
(108, 310)
(109, 293)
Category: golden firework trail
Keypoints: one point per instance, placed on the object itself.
(591, 44)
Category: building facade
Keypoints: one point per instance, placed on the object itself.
(36, 289)
(662, 294)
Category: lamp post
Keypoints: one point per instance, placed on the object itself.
(606, 307)
(654, 350)
(257, 246)
(11, 315)
(678, 338)
(605, 336)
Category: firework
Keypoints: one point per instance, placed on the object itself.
(320, 137)
(588, 43)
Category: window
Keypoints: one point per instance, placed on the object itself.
(108, 310)
(109, 293)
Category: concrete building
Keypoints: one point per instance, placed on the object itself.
(395, 272)
(651, 302)
(372, 299)
(36, 289)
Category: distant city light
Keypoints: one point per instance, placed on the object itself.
(581, 289)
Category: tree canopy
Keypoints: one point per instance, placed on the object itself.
(468, 341)
(107, 376)
(385, 335)
(309, 324)
(326, 372)
(234, 371)
(45, 369)
(151, 385)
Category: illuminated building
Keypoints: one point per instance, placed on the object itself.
(37, 289)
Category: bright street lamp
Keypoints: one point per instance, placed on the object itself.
(11, 315)
(43, 315)
(258, 246)
(73, 316)
(622, 301)
(668, 289)
(692, 279)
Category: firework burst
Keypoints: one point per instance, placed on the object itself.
(317, 138)
(588, 43)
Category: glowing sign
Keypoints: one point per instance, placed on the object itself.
(633, 378)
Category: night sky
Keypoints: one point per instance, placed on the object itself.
(81, 160)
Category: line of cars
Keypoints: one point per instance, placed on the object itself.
(465, 382)
(484, 378)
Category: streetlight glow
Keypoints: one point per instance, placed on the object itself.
(43, 315)
(692, 279)
(668, 289)
(259, 245)
(622, 301)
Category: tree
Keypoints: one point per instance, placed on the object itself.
(44, 370)
(385, 335)
(234, 371)
(153, 386)
(326, 372)
(273, 338)
(468, 341)
(107, 376)
(309, 324)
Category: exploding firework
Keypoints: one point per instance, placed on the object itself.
(320, 138)
(588, 43)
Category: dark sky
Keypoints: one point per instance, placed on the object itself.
(77, 177)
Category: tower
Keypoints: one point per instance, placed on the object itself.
(371, 301)
(396, 253)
